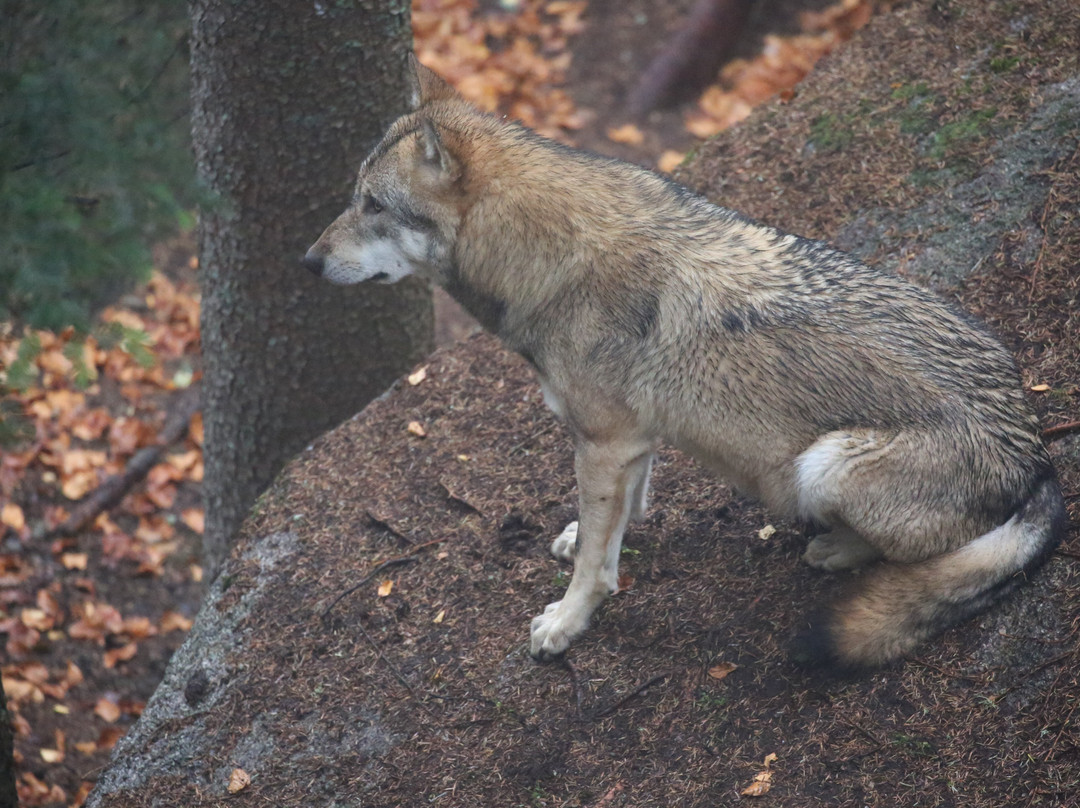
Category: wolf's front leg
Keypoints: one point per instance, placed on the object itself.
(564, 547)
(611, 478)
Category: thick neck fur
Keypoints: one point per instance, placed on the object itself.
(542, 221)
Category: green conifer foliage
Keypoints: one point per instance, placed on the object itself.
(95, 157)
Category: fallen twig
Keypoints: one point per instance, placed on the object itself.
(393, 667)
(877, 746)
(1052, 433)
(1043, 223)
(635, 692)
(1054, 660)
(390, 562)
(513, 450)
(578, 696)
(110, 492)
(951, 674)
(1057, 738)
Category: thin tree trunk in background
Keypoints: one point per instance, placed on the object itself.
(692, 57)
(288, 97)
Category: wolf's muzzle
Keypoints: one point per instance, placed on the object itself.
(314, 263)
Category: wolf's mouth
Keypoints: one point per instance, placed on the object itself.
(379, 276)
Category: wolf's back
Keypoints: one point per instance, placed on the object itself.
(897, 606)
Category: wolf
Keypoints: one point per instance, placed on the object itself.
(836, 394)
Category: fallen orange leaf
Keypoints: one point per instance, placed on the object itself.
(628, 133)
(108, 737)
(670, 160)
(36, 619)
(722, 670)
(758, 788)
(121, 654)
(12, 516)
(74, 561)
(79, 484)
(73, 675)
(55, 755)
(195, 429)
(418, 376)
(184, 462)
(107, 710)
(385, 588)
(92, 426)
(194, 518)
(762, 780)
(139, 627)
(174, 621)
(20, 690)
(75, 460)
(238, 780)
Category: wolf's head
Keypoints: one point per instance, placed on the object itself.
(407, 203)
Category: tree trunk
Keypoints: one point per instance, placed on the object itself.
(288, 97)
(8, 795)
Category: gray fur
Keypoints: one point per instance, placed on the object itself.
(831, 391)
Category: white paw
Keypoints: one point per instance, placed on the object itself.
(554, 630)
(565, 546)
(839, 550)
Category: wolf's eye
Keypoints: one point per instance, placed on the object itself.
(372, 205)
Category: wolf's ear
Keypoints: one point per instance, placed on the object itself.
(436, 154)
(427, 85)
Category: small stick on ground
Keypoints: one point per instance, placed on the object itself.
(997, 697)
(390, 562)
(576, 679)
(1052, 433)
(1064, 725)
(382, 524)
(636, 691)
(110, 492)
(392, 667)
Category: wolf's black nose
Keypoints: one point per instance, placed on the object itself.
(314, 263)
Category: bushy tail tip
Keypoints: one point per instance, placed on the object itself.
(898, 606)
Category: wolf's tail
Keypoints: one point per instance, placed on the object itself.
(897, 606)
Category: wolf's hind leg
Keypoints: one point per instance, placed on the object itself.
(912, 494)
(564, 547)
(609, 475)
(840, 549)
(639, 499)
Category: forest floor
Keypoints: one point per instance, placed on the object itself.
(91, 619)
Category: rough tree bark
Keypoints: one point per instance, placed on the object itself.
(288, 96)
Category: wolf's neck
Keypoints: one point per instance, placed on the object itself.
(487, 307)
